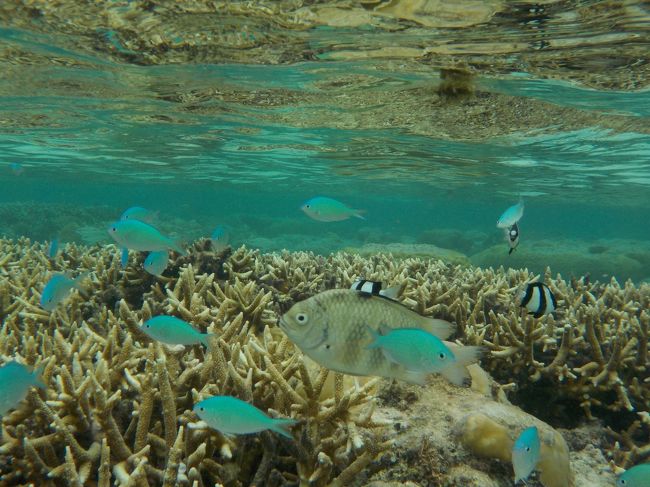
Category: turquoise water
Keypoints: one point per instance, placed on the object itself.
(247, 144)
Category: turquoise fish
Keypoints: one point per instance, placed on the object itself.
(220, 238)
(233, 416)
(57, 288)
(512, 215)
(637, 476)
(419, 351)
(525, 453)
(124, 258)
(53, 248)
(174, 331)
(139, 213)
(137, 235)
(156, 262)
(15, 381)
(326, 209)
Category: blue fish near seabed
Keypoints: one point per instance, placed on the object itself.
(421, 352)
(220, 238)
(15, 381)
(53, 248)
(637, 476)
(174, 331)
(139, 213)
(137, 235)
(525, 453)
(57, 288)
(233, 416)
(326, 209)
(156, 262)
(512, 215)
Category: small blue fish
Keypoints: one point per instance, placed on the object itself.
(232, 416)
(512, 215)
(637, 476)
(15, 381)
(220, 238)
(422, 352)
(156, 262)
(139, 213)
(17, 168)
(57, 288)
(137, 235)
(124, 258)
(525, 453)
(53, 248)
(326, 209)
(174, 331)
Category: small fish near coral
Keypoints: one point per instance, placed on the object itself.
(156, 262)
(421, 352)
(57, 288)
(538, 299)
(220, 238)
(637, 476)
(333, 329)
(525, 453)
(137, 235)
(15, 382)
(53, 248)
(174, 331)
(374, 287)
(326, 209)
(139, 213)
(124, 258)
(512, 215)
(512, 236)
(233, 416)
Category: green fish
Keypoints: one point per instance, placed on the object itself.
(137, 235)
(637, 476)
(233, 416)
(326, 209)
(15, 381)
(174, 331)
(57, 288)
(525, 453)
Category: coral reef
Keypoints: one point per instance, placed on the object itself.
(117, 408)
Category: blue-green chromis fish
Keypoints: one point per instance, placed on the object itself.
(137, 235)
(525, 453)
(326, 209)
(220, 238)
(174, 331)
(512, 215)
(156, 262)
(637, 476)
(230, 415)
(53, 248)
(422, 352)
(57, 288)
(124, 258)
(139, 213)
(15, 381)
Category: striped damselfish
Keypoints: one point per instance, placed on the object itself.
(374, 287)
(538, 299)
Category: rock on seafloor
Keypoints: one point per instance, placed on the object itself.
(434, 447)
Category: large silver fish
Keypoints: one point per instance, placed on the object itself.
(334, 329)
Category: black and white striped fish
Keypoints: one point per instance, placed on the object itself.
(512, 235)
(538, 299)
(374, 288)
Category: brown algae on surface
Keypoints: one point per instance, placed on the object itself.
(117, 407)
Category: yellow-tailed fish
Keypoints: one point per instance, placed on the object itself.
(333, 328)
(15, 381)
(174, 331)
(420, 351)
(57, 288)
(233, 416)
(137, 235)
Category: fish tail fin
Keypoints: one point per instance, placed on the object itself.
(37, 374)
(281, 426)
(359, 214)
(205, 339)
(177, 246)
(81, 278)
(457, 372)
(440, 328)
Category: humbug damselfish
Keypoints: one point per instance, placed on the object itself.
(538, 299)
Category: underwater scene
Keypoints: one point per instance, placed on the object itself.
(325, 243)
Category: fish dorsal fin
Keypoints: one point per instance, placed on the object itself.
(440, 328)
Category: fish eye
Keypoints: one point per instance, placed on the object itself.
(201, 409)
(442, 355)
(307, 206)
(113, 229)
(527, 448)
(302, 318)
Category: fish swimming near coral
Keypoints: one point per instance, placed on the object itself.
(374, 287)
(137, 235)
(421, 352)
(57, 288)
(512, 215)
(326, 209)
(333, 328)
(53, 248)
(538, 299)
(525, 453)
(233, 416)
(637, 476)
(512, 235)
(15, 381)
(124, 258)
(156, 262)
(174, 331)
(220, 238)
(139, 213)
